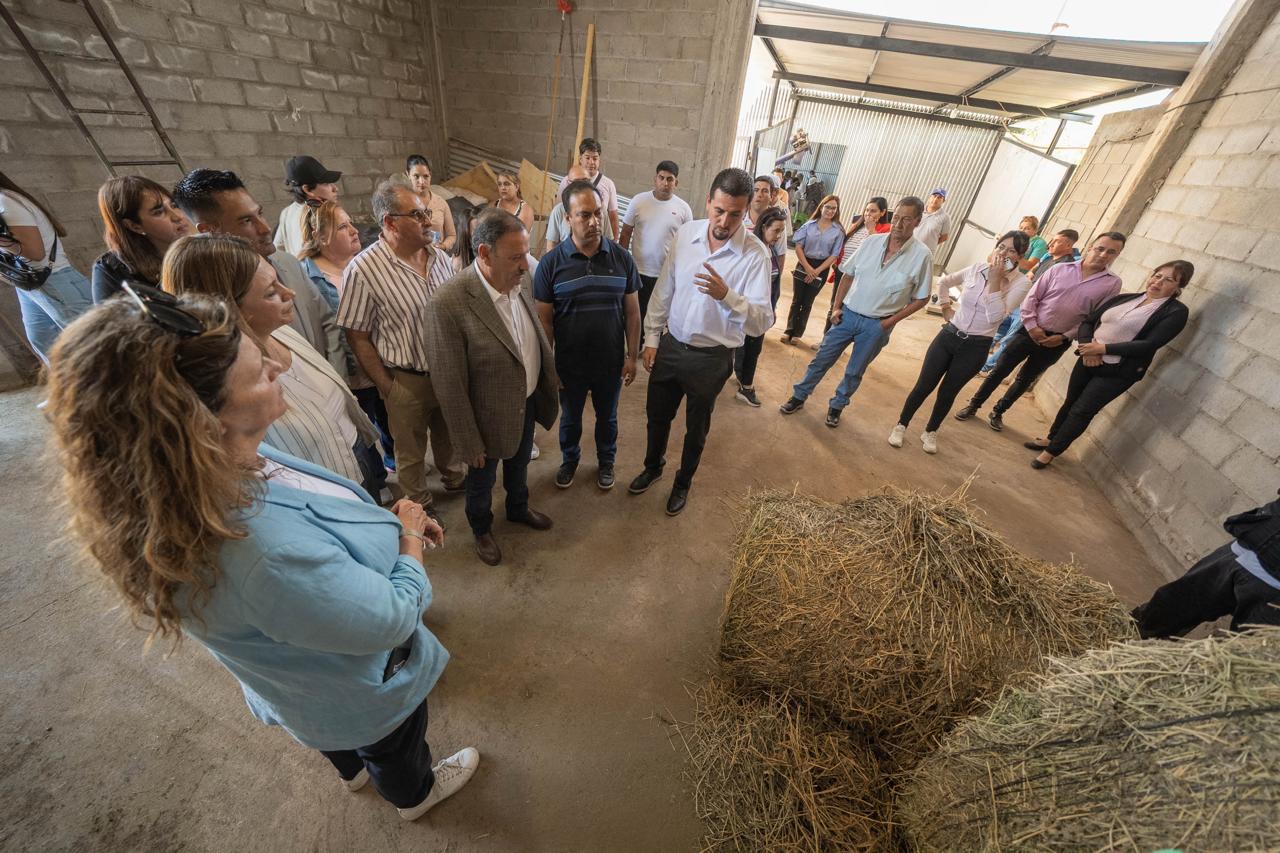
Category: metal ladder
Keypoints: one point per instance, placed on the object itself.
(75, 112)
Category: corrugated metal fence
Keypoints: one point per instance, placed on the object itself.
(892, 154)
(767, 109)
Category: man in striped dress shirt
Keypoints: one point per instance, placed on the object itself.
(385, 290)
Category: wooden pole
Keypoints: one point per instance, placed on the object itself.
(582, 99)
(551, 121)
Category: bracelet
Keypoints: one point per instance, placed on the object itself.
(414, 534)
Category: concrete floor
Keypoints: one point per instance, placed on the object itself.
(567, 658)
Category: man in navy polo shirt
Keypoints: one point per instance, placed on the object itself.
(587, 294)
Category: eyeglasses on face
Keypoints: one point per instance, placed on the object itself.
(418, 215)
(162, 309)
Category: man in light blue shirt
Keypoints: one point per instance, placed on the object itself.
(886, 281)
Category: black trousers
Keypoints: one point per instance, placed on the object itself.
(803, 294)
(1088, 391)
(1020, 349)
(515, 480)
(949, 363)
(399, 765)
(747, 356)
(1214, 587)
(371, 404)
(646, 290)
(679, 372)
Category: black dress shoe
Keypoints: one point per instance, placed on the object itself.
(966, 413)
(833, 418)
(487, 549)
(996, 421)
(679, 497)
(532, 518)
(1031, 445)
(644, 480)
(1038, 465)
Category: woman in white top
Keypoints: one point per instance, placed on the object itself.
(323, 423)
(1117, 343)
(511, 200)
(990, 291)
(35, 237)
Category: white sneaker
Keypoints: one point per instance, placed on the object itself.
(451, 774)
(930, 441)
(895, 437)
(535, 453)
(362, 779)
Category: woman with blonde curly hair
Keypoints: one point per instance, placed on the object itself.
(323, 423)
(308, 593)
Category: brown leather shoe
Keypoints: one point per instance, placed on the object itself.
(534, 519)
(455, 485)
(487, 549)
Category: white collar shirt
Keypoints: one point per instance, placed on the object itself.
(519, 323)
(980, 311)
(695, 318)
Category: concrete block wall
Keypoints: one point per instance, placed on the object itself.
(238, 84)
(654, 63)
(1200, 437)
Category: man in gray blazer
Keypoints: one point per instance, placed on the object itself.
(493, 372)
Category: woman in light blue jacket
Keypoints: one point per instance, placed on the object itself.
(293, 578)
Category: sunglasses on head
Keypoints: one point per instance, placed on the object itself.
(163, 310)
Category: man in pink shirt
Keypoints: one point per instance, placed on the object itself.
(1051, 314)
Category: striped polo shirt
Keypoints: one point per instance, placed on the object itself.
(384, 296)
(587, 294)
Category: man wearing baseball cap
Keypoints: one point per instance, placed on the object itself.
(311, 185)
(935, 227)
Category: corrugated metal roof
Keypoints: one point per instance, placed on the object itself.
(1020, 86)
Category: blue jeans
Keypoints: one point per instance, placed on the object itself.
(515, 480)
(605, 391)
(1004, 334)
(49, 309)
(867, 337)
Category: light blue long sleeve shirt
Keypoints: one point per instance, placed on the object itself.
(308, 607)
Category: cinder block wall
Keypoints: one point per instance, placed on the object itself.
(655, 66)
(238, 84)
(1200, 437)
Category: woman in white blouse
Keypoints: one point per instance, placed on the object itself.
(990, 291)
(1117, 343)
(323, 423)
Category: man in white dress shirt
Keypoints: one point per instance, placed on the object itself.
(712, 292)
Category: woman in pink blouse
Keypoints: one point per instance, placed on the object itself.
(990, 291)
(1117, 343)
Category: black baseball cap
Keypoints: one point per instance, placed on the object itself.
(304, 170)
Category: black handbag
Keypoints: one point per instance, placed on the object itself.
(16, 270)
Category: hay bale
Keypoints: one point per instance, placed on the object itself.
(774, 774)
(897, 611)
(1140, 746)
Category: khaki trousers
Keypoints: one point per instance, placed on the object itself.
(414, 414)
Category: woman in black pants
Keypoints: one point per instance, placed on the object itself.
(1117, 343)
(817, 244)
(769, 230)
(989, 292)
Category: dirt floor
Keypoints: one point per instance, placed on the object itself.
(568, 659)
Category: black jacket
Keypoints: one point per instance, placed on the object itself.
(1135, 355)
(1259, 531)
(109, 272)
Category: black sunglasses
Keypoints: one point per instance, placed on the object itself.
(163, 310)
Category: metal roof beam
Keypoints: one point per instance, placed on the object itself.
(988, 80)
(1010, 58)
(978, 103)
(1119, 94)
(877, 108)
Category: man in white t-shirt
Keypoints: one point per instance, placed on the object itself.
(311, 185)
(589, 160)
(652, 220)
(935, 228)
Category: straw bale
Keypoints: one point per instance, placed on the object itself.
(772, 773)
(897, 611)
(1141, 746)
